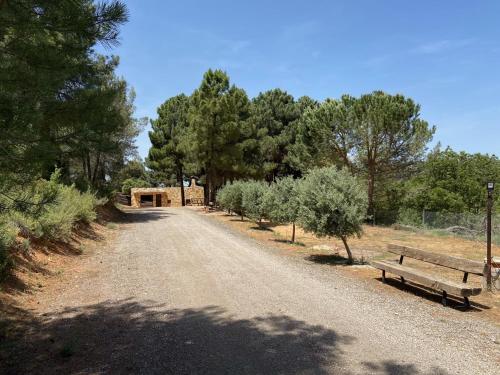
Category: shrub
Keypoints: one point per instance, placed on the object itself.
(130, 183)
(333, 203)
(70, 207)
(7, 238)
(282, 202)
(254, 200)
(224, 197)
(52, 209)
(230, 197)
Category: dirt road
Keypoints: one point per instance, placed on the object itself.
(179, 293)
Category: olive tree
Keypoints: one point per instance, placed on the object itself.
(230, 197)
(283, 202)
(254, 200)
(332, 203)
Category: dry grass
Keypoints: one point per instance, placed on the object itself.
(372, 245)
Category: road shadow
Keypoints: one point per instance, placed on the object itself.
(130, 337)
(144, 215)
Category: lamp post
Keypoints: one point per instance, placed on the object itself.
(490, 186)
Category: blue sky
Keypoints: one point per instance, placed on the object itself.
(443, 54)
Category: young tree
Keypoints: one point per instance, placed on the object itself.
(283, 203)
(230, 197)
(167, 153)
(254, 200)
(217, 117)
(333, 203)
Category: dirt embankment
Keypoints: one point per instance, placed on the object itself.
(37, 267)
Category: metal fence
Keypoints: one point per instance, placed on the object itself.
(467, 225)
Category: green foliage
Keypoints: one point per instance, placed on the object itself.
(333, 203)
(7, 238)
(377, 136)
(217, 114)
(254, 200)
(167, 153)
(130, 183)
(453, 182)
(272, 115)
(283, 201)
(231, 197)
(53, 210)
(62, 106)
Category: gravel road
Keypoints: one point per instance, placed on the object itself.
(180, 293)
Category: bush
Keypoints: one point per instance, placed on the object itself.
(282, 202)
(7, 238)
(224, 197)
(254, 200)
(230, 197)
(130, 183)
(49, 209)
(333, 203)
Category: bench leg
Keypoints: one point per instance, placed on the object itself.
(403, 279)
(466, 303)
(444, 300)
(383, 277)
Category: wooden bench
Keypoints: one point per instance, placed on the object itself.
(433, 281)
(196, 201)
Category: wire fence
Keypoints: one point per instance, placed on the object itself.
(468, 225)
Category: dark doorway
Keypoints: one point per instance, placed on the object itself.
(158, 200)
(146, 200)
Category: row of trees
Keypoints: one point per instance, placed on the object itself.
(221, 135)
(327, 202)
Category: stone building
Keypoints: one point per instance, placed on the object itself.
(168, 196)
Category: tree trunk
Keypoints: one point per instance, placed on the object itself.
(180, 177)
(96, 167)
(371, 190)
(89, 169)
(293, 232)
(348, 250)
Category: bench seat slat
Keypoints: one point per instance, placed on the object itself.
(464, 265)
(426, 279)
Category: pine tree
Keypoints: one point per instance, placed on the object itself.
(166, 154)
(217, 117)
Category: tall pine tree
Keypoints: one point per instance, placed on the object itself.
(217, 117)
(166, 154)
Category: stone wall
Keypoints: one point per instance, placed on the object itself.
(170, 196)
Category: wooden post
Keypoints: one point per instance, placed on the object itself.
(490, 186)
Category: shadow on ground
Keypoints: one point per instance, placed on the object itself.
(131, 337)
(431, 295)
(143, 215)
(333, 259)
(128, 337)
